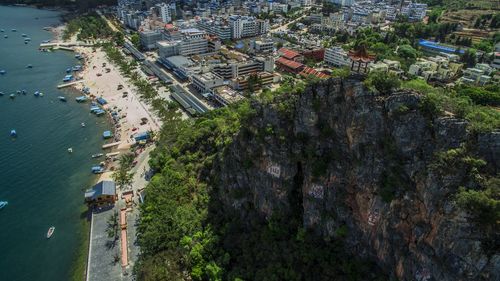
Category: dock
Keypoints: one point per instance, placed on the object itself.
(64, 46)
(64, 85)
(109, 145)
(112, 154)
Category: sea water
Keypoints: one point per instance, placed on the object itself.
(43, 183)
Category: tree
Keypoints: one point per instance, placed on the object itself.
(469, 57)
(122, 175)
(407, 52)
(119, 38)
(136, 40)
(382, 82)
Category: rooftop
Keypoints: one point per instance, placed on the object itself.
(102, 188)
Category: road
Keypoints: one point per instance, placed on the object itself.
(285, 26)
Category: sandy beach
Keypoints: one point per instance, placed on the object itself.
(103, 79)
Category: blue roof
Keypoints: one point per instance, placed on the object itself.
(438, 47)
(107, 134)
(101, 101)
(102, 188)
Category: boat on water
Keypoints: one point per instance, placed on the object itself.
(45, 41)
(97, 155)
(2, 30)
(83, 124)
(68, 70)
(23, 92)
(14, 30)
(13, 133)
(70, 150)
(97, 170)
(61, 98)
(1, 94)
(18, 92)
(50, 232)
(3, 204)
(24, 35)
(6, 36)
(29, 66)
(81, 99)
(12, 96)
(2, 72)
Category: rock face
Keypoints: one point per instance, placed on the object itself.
(362, 162)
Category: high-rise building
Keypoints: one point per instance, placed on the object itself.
(164, 11)
(245, 26)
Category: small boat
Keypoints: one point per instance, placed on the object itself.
(45, 41)
(18, 92)
(97, 155)
(2, 30)
(12, 96)
(13, 133)
(83, 124)
(41, 94)
(81, 99)
(61, 98)
(24, 35)
(70, 150)
(1, 94)
(6, 36)
(37, 94)
(29, 66)
(68, 70)
(2, 72)
(3, 204)
(97, 170)
(14, 30)
(23, 92)
(50, 232)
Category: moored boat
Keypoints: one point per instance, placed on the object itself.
(97, 155)
(83, 124)
(70, 150)
(3, 204)
(50, 232)
(29, 66)
(81, 99)
(13, 30)
(13, 133)
(2, 72)
(1, 94)
(61, 98)
(12, 96)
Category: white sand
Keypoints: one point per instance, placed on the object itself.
(130, 108)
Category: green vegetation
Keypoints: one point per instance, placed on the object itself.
(483, 204)
(136, 41)
(457, 101)
(382, 82)
(122, 176)
(88, 27)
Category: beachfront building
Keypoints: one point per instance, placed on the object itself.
(149, 38)
(336, 56)
(193, 42)
(233, 69)
(205, 82)
(102, 194)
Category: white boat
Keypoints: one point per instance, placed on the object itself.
(97, 155)
(50, 232)
(70, 150)
(83, 124)
(3, 204)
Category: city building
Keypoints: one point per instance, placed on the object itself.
(241, 83)
(225, 95)
(496, 57)
(149, 38)
(479, 75)
(336, 56)
(290, 55)
(164, 12)
(218, 27)
(193, 41)
(414, 11)
(245, 26)
(263, 46)
(205, 82)
(179, 65)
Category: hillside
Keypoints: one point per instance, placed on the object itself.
(330, 182)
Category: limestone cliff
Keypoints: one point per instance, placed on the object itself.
(364, 163)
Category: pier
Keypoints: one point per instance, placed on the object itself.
(64, 85)
(64, 46)
(109, 145)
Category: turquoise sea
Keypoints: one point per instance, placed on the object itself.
(42, 182)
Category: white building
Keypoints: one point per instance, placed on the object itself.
(149, 39)
(245, 26)
(496, 57)
(215, 27)
(336, 56)
(205, 82)
(305, 3)
(264, 46)
(414, 11)
(164, 11)
(193, 42)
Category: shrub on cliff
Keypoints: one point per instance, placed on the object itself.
(382, 82)
(484, 204)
